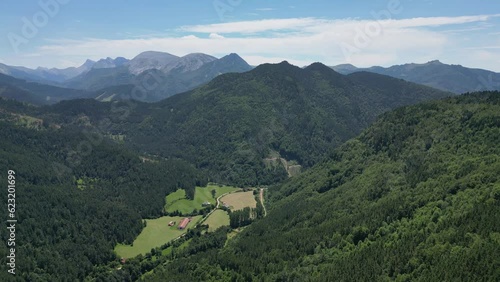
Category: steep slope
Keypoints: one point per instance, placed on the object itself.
(98, 78)
(150, 60)
(453, 78)
(297, 113)
(14, 93)
(77, 195)
(110, 63)
(158, 75)
(37, 93)
(183, 78)
(45, 75)
(188, 63)
(236, 125)
(416, 197)
(227, 64)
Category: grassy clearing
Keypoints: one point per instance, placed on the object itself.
(83, 183)
(29, 122)
(239, 201)
(177, 195)
(217, 219)
(156, 233)
(177, 201)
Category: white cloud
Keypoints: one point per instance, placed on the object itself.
(215, 36)
(189, 37)
(315, 24)
(252, 26)
(298, 40)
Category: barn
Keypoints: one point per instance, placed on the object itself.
(184, 223)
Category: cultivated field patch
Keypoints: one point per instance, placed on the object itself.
(217, 219)
(156, 233)
(240, 200)
(203, 195)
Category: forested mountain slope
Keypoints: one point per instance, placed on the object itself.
(230, 126)
(77, 195)
(453, 78)
(37, 93)
(415, 197)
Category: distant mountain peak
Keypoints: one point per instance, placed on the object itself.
(109, 63)
(282, 66)
(447, 77)
(150, 60)
(232, 56)
(347, 66)
(187, 63)
(435, 62)
(154, 55)
(88, 63)
(318, 65)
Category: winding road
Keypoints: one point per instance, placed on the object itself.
(262, 200)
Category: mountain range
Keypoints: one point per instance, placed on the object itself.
(452, 78)
(236, 124)
(157, 75)
(164, 80)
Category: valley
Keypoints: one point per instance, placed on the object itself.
(270, 173)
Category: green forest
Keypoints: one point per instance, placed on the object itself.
(72, 209)
(226, 127)
(416, 197)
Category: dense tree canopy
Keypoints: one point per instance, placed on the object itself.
(414, 197)
(231, 125)
(73, 207)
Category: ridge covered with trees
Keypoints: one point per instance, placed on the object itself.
(72, 208)
(231, 125)
(415, 197)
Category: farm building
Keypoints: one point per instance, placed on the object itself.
(171, 223)
(184, 223)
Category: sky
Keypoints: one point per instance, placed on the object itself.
(64, 33)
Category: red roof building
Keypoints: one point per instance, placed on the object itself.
(184, 223)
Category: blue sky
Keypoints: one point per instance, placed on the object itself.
(364, 32)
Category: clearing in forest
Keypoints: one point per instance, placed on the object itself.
(240, 200)
(155, 234)
(217, 219)
(177, 201)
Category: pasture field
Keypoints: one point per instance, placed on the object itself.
(177, 201)
(240, 200)
(217, 219)
(155, 234)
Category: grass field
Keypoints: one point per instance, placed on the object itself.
(217, 219)
(238, 201)
(177, 200)
(156, 233)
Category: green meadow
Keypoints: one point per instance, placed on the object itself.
(177, 201)
(217, 219)
(155, 234)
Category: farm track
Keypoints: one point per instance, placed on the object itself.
(262, 200)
